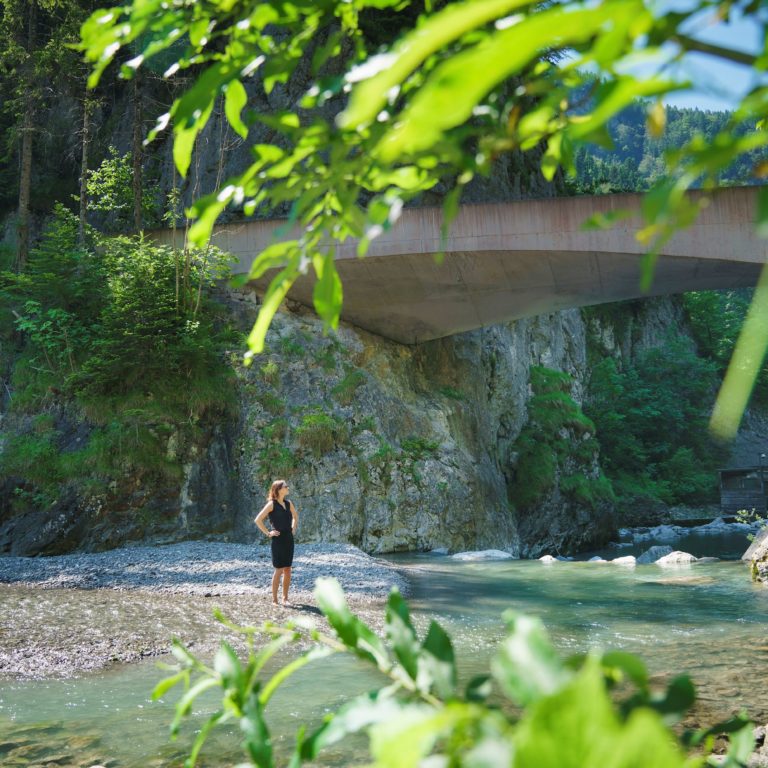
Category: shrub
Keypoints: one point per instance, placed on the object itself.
(318, 433)
(452, 393)
(557, 438)
(417, 448)
(651, 420)
(270, 372)
(276, 461)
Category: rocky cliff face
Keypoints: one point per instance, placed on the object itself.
(388, 447)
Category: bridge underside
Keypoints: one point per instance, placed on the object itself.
(411, 298)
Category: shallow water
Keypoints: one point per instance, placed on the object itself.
(708, 620)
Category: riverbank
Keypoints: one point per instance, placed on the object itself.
(70, 614)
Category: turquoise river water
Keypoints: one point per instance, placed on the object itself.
(706, 619)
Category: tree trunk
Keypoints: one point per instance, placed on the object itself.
(137, 152)
(27, 133)
(87, 108)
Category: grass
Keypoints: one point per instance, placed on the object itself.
(318, 433)
(344, 391)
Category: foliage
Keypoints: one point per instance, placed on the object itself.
(110, 190)
(556, 445)
(276, 460)
(531, 709)
(636, 157)
(102, 328)
(717, 319)
(452, 393)
(418, 448)
(651, 424)
(435, 103)
(270, 372)
(319, 432)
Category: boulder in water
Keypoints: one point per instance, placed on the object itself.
(676, 558)
(757, 555)
(627, 560)
(548, 559)
(597, 559)
(483, 554)
(653, 554)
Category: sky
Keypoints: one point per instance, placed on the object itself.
(719, 85)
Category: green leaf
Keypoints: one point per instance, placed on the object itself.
(273, 256)
(235, 99)
(188, 699)
(628, 664)
(436, 663)
(479, 688)
(391, 69)
(606, 220)
(257, 738)
(276, 292)
(473, 72)
(356, 635)
(167, 683)
(319, 652)
(402, 741)
(228, 666)
(355, 716)
(576, 726)
(327, 294)
(401, 634)
(201, 737)
(762, 212)
(744, 367)
(526, 665)
(678, 698)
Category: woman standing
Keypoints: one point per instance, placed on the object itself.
(284, 519)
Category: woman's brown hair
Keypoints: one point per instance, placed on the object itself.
(278, 485)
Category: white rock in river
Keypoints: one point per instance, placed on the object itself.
(654, 553)
(627, 560)
(676, 558)
(483, 554)
(548, 559)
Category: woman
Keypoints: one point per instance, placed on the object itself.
(284, 519)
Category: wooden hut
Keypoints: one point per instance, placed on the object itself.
(743, 488)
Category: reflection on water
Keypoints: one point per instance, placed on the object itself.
(708, 620)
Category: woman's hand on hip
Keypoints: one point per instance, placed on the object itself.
(273, 533)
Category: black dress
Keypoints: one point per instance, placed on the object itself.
(282, 545)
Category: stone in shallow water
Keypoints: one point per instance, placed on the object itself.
(627, 560)
(597, 559)
(483, 554)
(676, 558)
(547, 559)
(653, 554)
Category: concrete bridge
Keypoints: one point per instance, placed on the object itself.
(510, 260)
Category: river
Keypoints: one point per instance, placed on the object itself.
(706, 619)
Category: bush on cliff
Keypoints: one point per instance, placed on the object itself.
(557, 446)
(102, 328)
(651, 424)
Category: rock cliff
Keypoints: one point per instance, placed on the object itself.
(387, 447)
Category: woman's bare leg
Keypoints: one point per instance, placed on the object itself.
(286, 582)
(276, 584)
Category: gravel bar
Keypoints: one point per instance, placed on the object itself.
(64, 615)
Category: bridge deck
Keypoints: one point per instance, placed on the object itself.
(511, 260)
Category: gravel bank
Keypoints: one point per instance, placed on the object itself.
(65, 615)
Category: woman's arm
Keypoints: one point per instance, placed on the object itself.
(262, 516)
(295, 516)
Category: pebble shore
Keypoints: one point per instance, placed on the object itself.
(73, 613)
